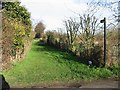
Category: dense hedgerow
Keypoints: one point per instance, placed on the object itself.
(17, 29)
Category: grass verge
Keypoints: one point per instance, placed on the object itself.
(44, 65)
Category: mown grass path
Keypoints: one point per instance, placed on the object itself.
(45, 66)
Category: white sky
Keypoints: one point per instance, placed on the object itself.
(53, 12)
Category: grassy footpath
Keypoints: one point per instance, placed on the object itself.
(47, 65)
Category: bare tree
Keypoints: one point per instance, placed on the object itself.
(112, 7)
(72, 28)
(39, 29)
(88, 27)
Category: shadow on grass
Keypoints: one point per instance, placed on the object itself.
(60, 56)
(67, 56)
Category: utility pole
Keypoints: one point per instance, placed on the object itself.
(104, 21)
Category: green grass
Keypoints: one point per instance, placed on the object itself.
(46, 65)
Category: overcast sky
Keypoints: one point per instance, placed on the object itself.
(53, 12)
